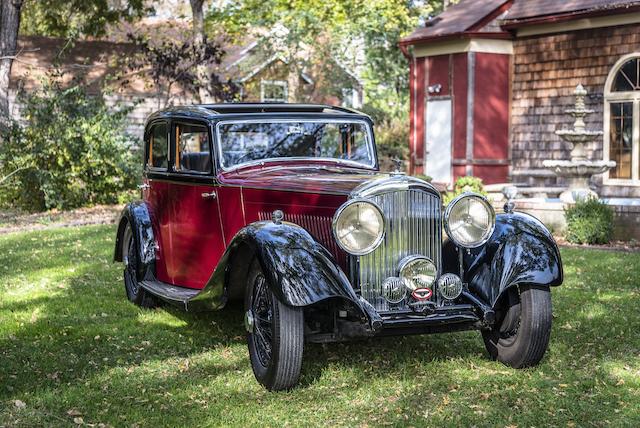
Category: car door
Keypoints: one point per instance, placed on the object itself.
(155, 188)
(195, 231)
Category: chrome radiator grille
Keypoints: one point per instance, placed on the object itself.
(413, 226)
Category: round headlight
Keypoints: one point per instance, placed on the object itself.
(358, 227)
(469, 220)
(418, 272)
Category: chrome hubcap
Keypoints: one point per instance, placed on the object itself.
(248, 321)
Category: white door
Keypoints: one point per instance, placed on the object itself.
(438, 144)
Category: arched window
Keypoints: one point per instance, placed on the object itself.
(622, 121)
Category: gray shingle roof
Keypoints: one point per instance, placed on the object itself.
(528, 9)
(457, 19)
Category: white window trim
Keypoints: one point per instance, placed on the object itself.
(629, 96)
(282, 83)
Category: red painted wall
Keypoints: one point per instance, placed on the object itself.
(438, 72)
(491, 117)
(460, 77)
(420, 92)
(491, 111)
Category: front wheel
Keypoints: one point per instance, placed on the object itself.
(520, 338)
(275, 335)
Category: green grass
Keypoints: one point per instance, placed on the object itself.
(72, 347)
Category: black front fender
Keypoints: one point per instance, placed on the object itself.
(299, 270)
(137, 215)
(520, 251)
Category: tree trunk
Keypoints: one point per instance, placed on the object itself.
(198, 39)
(9, 27)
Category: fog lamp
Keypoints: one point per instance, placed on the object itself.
(450, 286)
(394, 289)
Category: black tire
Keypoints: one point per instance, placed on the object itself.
(521, 337)
(134, 273)
(277, 339)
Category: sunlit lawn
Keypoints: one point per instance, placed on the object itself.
(73, 350)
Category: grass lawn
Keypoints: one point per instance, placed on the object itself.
(73, 351)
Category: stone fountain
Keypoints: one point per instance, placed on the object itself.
(579, 169)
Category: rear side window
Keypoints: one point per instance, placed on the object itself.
(192, 144)
(158, 146)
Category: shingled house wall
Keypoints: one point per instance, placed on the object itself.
(546, 70)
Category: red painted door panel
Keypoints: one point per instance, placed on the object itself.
(195, 243)
(157, 198)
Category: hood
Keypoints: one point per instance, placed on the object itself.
(315, 179)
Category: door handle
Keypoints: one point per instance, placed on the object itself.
(211, 195)
(143, 186)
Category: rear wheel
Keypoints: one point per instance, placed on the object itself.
(133, 272)
(275, 335)
(521, 337)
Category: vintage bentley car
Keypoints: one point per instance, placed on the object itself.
(282, 206)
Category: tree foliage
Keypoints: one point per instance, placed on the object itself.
(71, 151)
(73, 18)
(334, 27)
(171, 63)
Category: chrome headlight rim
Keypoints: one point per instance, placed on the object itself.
(405, 262)
(492, 219)
(375, 243)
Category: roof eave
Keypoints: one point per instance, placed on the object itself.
(513, 24)
(502, 35)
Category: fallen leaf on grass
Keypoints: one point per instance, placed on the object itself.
(19, 404)
(74, 412)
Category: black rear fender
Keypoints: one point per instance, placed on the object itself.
(136, 214)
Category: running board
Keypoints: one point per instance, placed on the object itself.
(179, 296)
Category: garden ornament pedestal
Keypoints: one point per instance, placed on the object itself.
(579, 169)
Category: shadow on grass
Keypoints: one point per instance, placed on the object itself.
(84, 343)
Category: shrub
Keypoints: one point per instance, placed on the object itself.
(465, 184)
(70, 151)
(392, 141)
(589, 221)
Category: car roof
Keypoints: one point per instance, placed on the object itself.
(219, 111)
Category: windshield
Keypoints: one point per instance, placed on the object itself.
(247, 141)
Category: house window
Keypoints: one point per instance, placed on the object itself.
(273, 91)
(622, 121)
(351, 98)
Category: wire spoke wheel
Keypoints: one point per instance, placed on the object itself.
(275, 335)
(130, 270)
(133, 272)
(263, 315)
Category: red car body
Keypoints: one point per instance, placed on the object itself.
(194, 232)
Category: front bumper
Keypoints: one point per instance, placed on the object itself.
(468, 313)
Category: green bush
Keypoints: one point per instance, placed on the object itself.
(71, 151)
(392, 141)
(465, 184)
(589, 221)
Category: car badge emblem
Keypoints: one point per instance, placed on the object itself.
(277, 216)
(422, 294)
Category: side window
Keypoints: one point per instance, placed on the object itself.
(192, 145)
(158, 146)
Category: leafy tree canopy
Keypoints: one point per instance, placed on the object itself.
(72, 18)
(377, 25)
